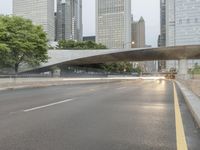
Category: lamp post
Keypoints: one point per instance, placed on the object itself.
(132, 43)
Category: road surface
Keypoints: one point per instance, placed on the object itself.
(128, 115)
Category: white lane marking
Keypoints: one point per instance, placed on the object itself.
(48, 105)
(121, 88)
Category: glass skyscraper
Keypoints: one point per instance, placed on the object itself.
(41, 12)
(69, 20)
(182, 25)
(113, 23)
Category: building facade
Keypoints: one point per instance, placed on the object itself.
(138, 40)
(182, 25)
(113, 23)
(69, 20)
(162, 36)
(89, 38)
(138, 34)
(40, 12)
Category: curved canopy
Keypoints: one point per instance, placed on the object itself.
(80, 57)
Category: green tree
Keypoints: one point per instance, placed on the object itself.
(70, 44)
(21, 42)
(138, 70)
(196, 69)
(119, 67)
(4, 50)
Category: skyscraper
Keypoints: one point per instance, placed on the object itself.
(69, 20)
(113, 23)
(40, 12)
(138, 34)
(182, 25)
(162, 39)
(162, 36)
(139, 41)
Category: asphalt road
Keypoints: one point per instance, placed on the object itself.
(128, 115)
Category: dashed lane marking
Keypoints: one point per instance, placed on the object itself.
(48, 105)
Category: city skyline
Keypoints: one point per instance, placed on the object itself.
(149, 10)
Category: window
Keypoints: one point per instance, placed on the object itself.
(196, 20)
(188, 20)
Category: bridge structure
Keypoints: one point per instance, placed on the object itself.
(81, 57)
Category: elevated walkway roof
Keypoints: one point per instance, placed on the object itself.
(80, 57)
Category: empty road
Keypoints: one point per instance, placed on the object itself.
(126, 115)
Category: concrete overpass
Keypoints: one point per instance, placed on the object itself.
(79, 57)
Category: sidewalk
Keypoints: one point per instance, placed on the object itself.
(192, 84)
(19, 83)
(192, 100)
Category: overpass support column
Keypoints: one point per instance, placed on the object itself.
(183, 69)
(56, 72)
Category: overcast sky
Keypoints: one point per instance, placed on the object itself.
(149, 9)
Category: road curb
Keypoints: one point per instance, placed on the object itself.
(57, 83)
(192, 101)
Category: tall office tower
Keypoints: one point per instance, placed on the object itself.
(182, 25)
(113, 23)
(162, 36)
(139, 41)
(69, 20)
(138, 33)
(41, 12)
(162, 40)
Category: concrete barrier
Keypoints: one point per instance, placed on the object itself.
(193, 85)
(20, 83)
(12, 83)
(192, 100)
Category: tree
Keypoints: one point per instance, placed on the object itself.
(70, 44)
(196, 69)
(119, 67)
(4, 50)
(21, 42)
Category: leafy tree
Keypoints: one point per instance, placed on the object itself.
(4, 50)
(70, 44)
(119, 67)
(137, 69)
(21, 42)
(196, 69)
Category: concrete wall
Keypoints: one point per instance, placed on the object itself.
(192, 84)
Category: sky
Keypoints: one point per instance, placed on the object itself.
(149, 9)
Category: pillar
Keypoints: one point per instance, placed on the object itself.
(56, 72)
(183, 69)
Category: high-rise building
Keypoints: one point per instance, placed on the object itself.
(162, 36)
(162, 39)
(113, 23)
(69, 20)
(139, 41)
(182, 25)
(138, 33)
(41, 12)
